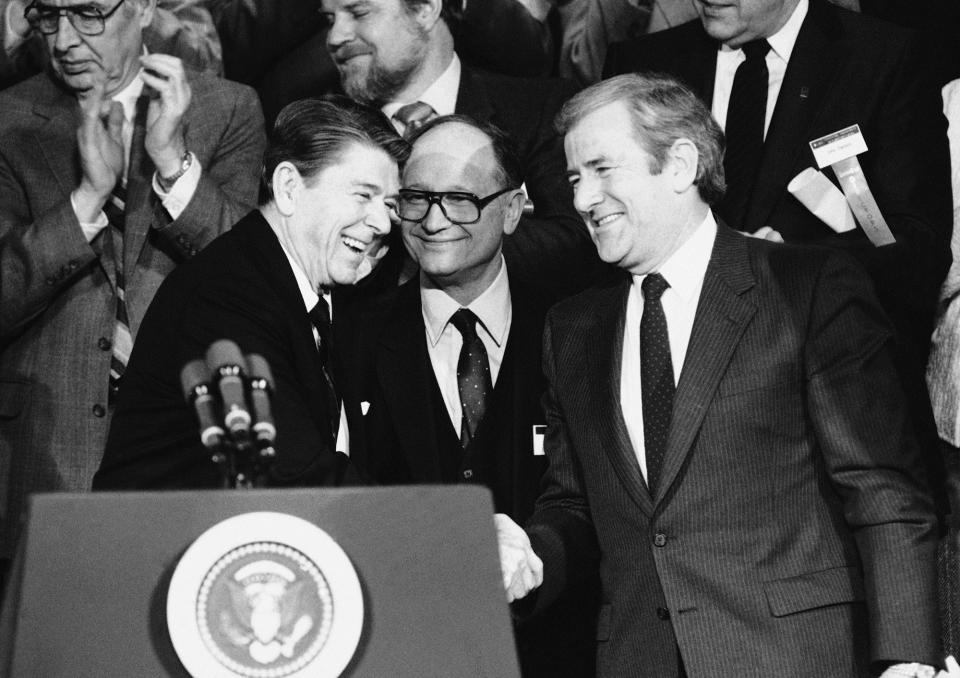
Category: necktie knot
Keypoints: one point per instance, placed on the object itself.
(414, 116)
(320, 315)
(755, 49)
(465, 321)
(653, 287)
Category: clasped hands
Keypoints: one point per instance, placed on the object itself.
(100, 134)
(522, 569)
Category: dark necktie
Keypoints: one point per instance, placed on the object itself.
(320, 317)
(744, 131)
(656, 376)
(473, 375)
(414, 116)
(115, 210)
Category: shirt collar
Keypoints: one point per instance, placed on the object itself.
(782, 42)
(492, 307)
(310, 296)
(441, 95)
(127, 97)
(686, 267)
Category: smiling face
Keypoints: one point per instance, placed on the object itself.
(734, 22)
(630, 211)
(462, 259)
(377, 46)
(341, 215)
(114, 55)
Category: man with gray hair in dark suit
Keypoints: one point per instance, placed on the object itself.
(114, 167)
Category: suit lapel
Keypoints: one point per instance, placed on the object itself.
(406, 378)
(805, 83)
(141, 200)
(473, 99)
(723, 314)
(604, 360)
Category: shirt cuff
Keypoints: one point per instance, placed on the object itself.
(182, 190)
(90, 228)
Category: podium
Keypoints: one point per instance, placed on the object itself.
(88, 594)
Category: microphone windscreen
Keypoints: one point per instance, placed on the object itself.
(193, 374)
(224, 352)
(259, 368)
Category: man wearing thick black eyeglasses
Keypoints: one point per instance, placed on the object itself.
(114, 167)
(451, 377)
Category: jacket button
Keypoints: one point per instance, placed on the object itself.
(104, 344)
(51, 280)
(660, 539)
(98, 410)
(72, 265)
(468, 474)
(663, 613)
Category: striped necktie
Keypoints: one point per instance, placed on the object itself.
(414, 116)
(115, 210)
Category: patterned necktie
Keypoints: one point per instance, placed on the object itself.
(473, 375)
(320, 317)
(656, 376)
(744, 130)
(414, 116)
(115, 210)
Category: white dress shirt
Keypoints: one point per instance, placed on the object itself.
(441, 95)
(495, 312)
(310, 299)
(684, 273)
(728, 60)
(174, 201)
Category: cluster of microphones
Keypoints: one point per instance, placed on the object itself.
(230, 393)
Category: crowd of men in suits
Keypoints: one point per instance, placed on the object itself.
(701, 411)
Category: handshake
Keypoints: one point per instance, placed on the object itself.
(522, 569)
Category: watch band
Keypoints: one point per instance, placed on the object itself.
(166, 183)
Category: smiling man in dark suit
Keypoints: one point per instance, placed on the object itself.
(399, 55)
(115, 167)
(453, 380)
(727, 423)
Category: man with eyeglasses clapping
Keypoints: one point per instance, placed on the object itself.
(115, 167)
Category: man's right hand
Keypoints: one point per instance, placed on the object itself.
(100, 142)
(521, 568)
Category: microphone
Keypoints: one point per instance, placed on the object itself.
(226, 363)
(195, 378)
(261, 390)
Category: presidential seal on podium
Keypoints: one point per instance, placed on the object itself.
(265, 595)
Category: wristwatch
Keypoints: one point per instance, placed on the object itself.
(166, 183)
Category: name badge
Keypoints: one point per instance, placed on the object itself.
(840, 145)
(539, 430)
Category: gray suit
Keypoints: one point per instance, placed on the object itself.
(57, 292)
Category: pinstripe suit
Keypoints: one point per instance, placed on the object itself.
(57, 292)
(791, 529)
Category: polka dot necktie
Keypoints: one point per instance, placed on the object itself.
(746, 114)
(656, 376)
(414, 116)
(473, 375)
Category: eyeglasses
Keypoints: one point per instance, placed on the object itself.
(86, 19)
(457, 207)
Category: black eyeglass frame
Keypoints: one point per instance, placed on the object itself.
(436, 198)
(71, 13)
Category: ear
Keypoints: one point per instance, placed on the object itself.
(681, 165)
(149, 8)
(427, 12)
(513, 211)
(287, 184)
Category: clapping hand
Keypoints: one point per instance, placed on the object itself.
(165, 142)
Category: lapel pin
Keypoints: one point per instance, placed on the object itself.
(804, 92)
(364, 407)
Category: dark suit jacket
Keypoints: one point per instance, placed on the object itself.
(845, 69)
(57, 294)
(242, 288)
(410, 439)
(791, 528)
